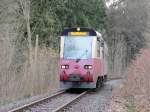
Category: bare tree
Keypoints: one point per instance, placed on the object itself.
(25, 5)
(20, 76)
(127, 20)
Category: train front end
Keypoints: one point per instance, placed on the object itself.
(77, 65)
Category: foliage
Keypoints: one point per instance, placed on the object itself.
(127, 24)
(50, 17)
(28, 70)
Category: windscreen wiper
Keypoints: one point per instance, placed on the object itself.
(84, 53)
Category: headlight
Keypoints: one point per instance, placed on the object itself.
(88, 67)
(64, 66)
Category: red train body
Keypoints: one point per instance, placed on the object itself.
(83, 59)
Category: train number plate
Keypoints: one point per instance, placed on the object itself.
(75, 78)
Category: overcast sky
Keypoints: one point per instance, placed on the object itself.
(110, 2)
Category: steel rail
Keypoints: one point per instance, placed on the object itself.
(69, 102)
(21, 108)
(117, 78)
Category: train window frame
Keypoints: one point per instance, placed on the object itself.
(75, 37)
(103, 49)
(98, 47)
(102, 44)
(103, 52)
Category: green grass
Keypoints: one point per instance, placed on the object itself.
(131, 107)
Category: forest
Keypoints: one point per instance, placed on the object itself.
(30, 35)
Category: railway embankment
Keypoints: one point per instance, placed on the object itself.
(95, 101)
(134, 95)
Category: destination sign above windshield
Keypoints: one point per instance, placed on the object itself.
(78, 33)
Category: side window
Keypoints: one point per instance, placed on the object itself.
(98, 48)
(103, 52)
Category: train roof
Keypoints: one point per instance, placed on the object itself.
(91, 32)
(99, 35)
(78, 29)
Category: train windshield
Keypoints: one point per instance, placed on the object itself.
(76, 47)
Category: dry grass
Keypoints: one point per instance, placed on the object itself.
(137, 85)
(135, 92)
(17, 79)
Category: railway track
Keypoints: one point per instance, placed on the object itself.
(54, 103)
(117, 78)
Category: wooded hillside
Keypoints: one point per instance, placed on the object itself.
(127, 24)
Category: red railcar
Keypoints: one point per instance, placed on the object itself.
(83, 59)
